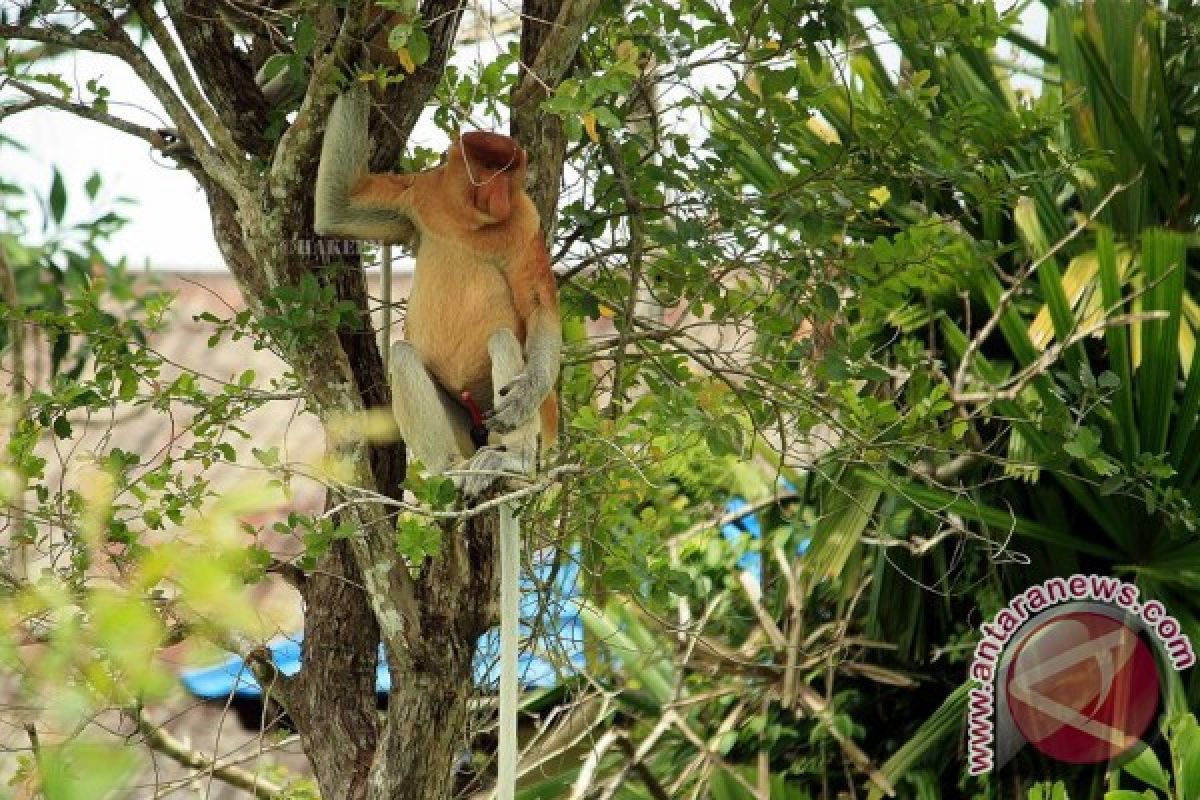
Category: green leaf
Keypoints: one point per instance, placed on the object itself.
(84, 771)
(275, 65)
(1117, 338)
(305, 38)
(1147, 769)
(1164, 264)
(399, 35)
(1048, 791)
(418, 46)
(840, 531)
(1085, 444)
(723, 786)
(58, 197)
(1185, 749)
(437, 492)
(416, 539)
(129, 385)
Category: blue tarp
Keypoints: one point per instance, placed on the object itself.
(557, 642)
(751, 560)
(557, 646)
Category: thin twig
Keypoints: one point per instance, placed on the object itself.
(367, 496)
(733, 516)
(1049, 356)
(636, 760)
(88, 112)
(960, 377)
(160, 740)
(586, 778)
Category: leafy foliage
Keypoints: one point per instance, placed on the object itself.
(828, 258)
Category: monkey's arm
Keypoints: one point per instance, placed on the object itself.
(522, 398)
(349, 200)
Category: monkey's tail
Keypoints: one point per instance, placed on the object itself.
(385, 285)
(344, 153)
(510, 576)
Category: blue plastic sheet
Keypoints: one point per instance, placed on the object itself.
(555, 648)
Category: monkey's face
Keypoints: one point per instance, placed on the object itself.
(486, 173)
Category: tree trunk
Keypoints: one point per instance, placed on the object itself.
(333, 702)
(426, 737)
(541, 135)
(426, 732)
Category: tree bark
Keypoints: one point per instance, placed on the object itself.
(541, 135)
(426, 731)
(333, 700)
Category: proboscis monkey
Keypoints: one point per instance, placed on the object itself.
(483, 297)
(483, 333)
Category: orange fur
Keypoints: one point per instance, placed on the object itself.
(481, 264)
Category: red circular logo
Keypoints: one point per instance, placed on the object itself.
(1083, 687)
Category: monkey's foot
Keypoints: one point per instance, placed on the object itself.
(484, 469)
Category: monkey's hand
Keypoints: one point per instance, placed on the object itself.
(519, 402)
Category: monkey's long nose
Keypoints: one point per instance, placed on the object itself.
(493, 197)
(493, 151)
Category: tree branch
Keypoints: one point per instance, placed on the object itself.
(547, 52)
(160, 740)
(301, 142)
(12, 109)
(556, 53)
(61, 38)
(1017, 383)
(200, 105)
(405, 102)
(210, 161)
(224, 72)
(86, 112)
(551, 478)
(635, 761)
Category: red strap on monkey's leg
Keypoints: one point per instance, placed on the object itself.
(479, 431)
